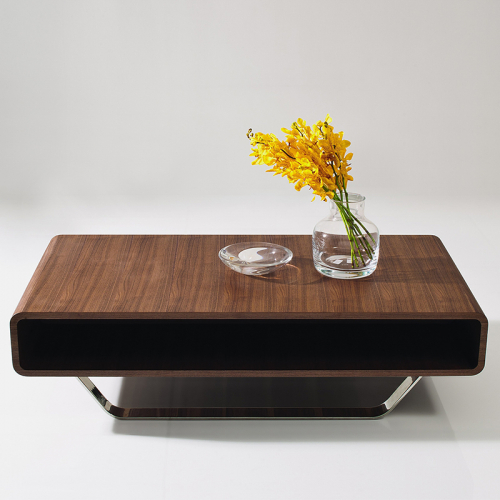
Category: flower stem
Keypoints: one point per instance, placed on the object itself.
(358, 241)
(356, 251)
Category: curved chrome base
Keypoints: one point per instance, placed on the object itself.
(371, 413)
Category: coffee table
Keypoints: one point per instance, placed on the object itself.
(165, 306)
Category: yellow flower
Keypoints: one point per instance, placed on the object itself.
(314, 157)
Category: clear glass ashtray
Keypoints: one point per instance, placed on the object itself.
(255, 259)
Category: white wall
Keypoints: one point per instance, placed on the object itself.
(154, 98)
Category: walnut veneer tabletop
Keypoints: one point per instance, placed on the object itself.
(106, 276)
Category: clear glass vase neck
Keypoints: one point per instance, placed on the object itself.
(353, 201)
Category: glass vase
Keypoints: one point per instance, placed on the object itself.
(345, 243)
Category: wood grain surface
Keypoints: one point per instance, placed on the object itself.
(181, 277)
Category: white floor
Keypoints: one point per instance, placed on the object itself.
(442, 442)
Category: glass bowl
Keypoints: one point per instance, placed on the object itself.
(255, 258)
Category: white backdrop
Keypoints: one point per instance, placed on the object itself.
(131, 117)
(154, 98)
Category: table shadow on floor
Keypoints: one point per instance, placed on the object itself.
(181, 392)
(419, 404)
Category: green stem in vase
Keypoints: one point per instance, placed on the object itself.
(364, 241)
(358, 241)
(361, 224)
(355, 249)
(354, 259)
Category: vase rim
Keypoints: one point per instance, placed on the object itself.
(353, 198)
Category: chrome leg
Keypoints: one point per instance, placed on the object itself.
(371, 413)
